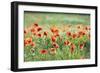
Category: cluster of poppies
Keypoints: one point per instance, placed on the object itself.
(80, 34)
(53, 33)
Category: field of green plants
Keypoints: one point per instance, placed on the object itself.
(56, 36)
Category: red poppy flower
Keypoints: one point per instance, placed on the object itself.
(56, 34)
(45, 33)
(54, 30)
(33, 44)
(53, 38)
(72, 47)
(35, 25)
(32, 30)
(29, 40)
(66, 42)
(25, 43)
(39, 35)
(68, 34)
(74, 35)
(43, 51)
(55, 45)
(86, 28)
(81, 33)
(39, 29)
(81, 46)
(25, 31)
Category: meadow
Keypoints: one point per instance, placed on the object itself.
(56, 36)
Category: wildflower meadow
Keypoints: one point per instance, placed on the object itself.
(56, 36)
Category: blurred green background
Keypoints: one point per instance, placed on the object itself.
(48, 18)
